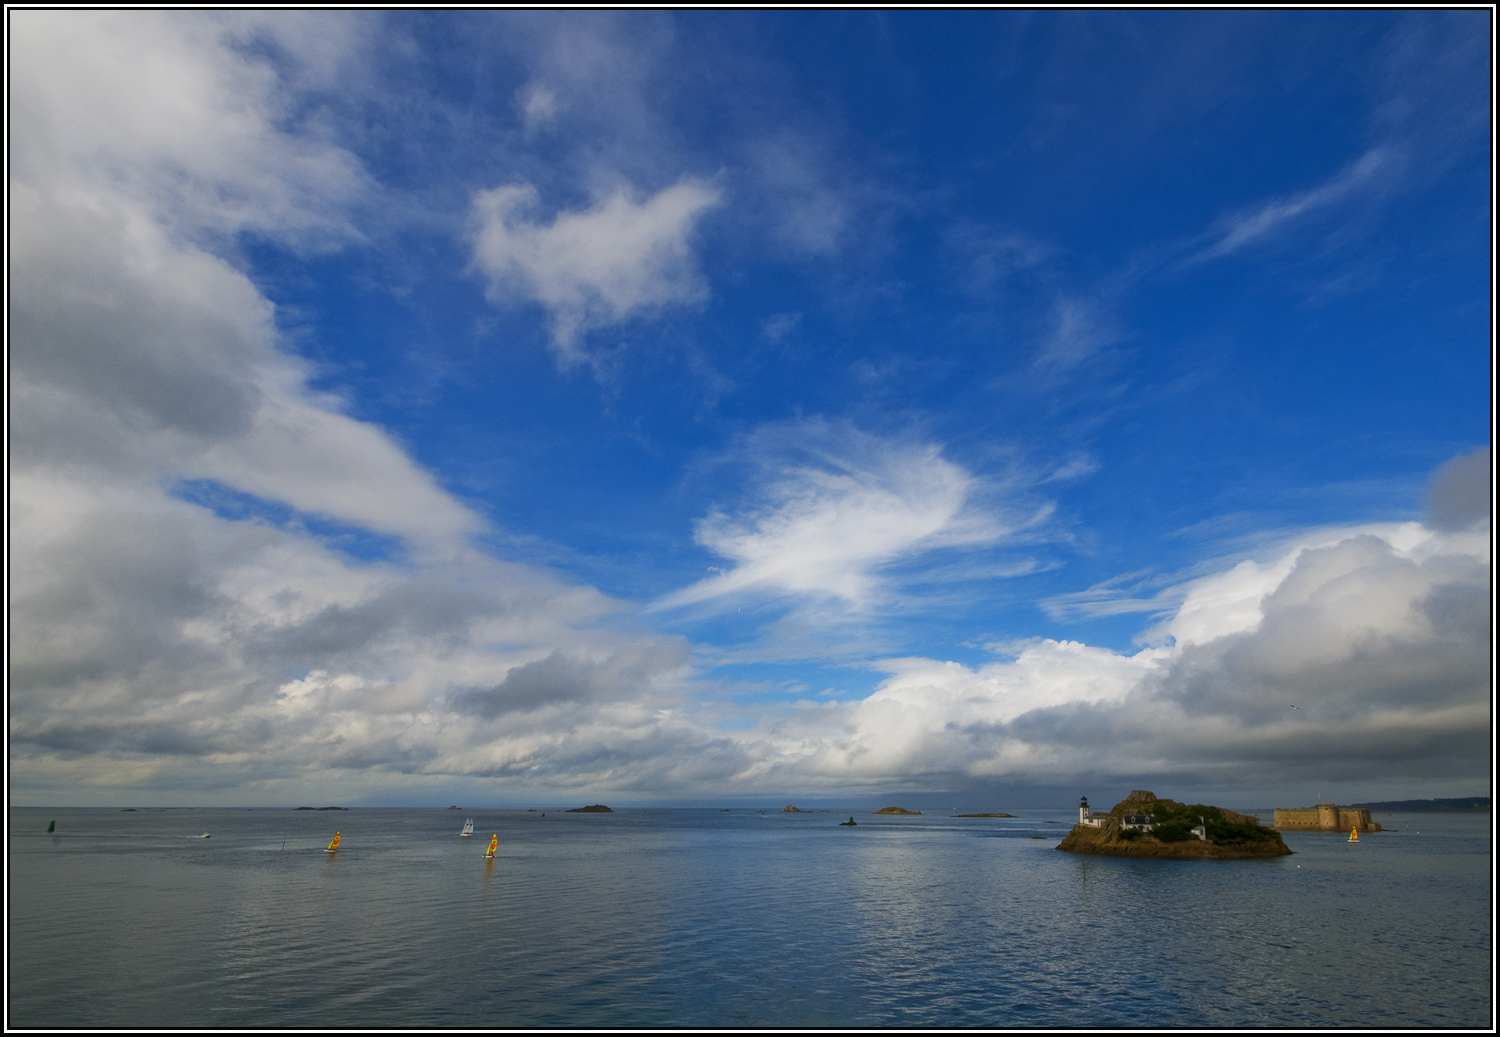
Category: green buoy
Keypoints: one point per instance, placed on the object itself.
(52, 827)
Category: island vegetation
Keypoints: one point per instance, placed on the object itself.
(1171, 832)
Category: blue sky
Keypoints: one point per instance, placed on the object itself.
(668, 405)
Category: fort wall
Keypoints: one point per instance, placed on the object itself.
(1325, 817)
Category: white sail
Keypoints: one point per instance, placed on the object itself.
(468, 826)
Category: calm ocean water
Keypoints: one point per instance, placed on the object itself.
(703, 918)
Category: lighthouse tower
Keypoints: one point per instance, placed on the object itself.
(1083, 810)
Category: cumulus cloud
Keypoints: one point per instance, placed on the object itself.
(1380, 637)
(832, 508)
(590, 268)
(156, 644)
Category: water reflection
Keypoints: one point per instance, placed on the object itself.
(683, 918)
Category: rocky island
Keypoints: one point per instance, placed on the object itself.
(597, 808)
(897, 810)
(1140, 825)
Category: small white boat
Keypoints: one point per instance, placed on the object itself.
(468, 827)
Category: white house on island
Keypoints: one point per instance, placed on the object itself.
(1127, 823)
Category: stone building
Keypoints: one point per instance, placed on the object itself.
(1325, 817)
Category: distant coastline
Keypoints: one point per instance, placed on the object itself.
(1464, 804)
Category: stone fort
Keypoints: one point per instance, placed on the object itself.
(1325, 817)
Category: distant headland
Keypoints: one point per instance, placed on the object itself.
(984, 815)
(322, 808)
(597, 808)
(1140, 825)
(1465, 804)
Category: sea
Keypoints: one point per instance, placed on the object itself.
(740, 918)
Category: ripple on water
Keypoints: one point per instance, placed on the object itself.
(684, 918)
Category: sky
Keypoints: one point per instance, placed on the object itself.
(523, 408)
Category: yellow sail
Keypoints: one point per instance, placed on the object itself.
(333, 847)
(1354, 835)
(494, 842)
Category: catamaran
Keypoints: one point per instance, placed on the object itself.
(468, 827)
(333, 847)
(1354, 835)
(494, 843)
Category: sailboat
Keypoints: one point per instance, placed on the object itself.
(333, 847)
(1354, 835)
(494, 844)
(468, 827)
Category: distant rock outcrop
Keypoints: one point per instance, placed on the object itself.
(897, 810)
(789, 809)
(597, 808)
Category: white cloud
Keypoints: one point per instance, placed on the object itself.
(834, 507)
(591, 268)
(162, 109)
(154, 644)
(539, 106)
(135, 356)
(157, 646)
(1379, 635)
(1269, 219)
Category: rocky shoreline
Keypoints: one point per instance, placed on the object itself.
(1090, 840)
